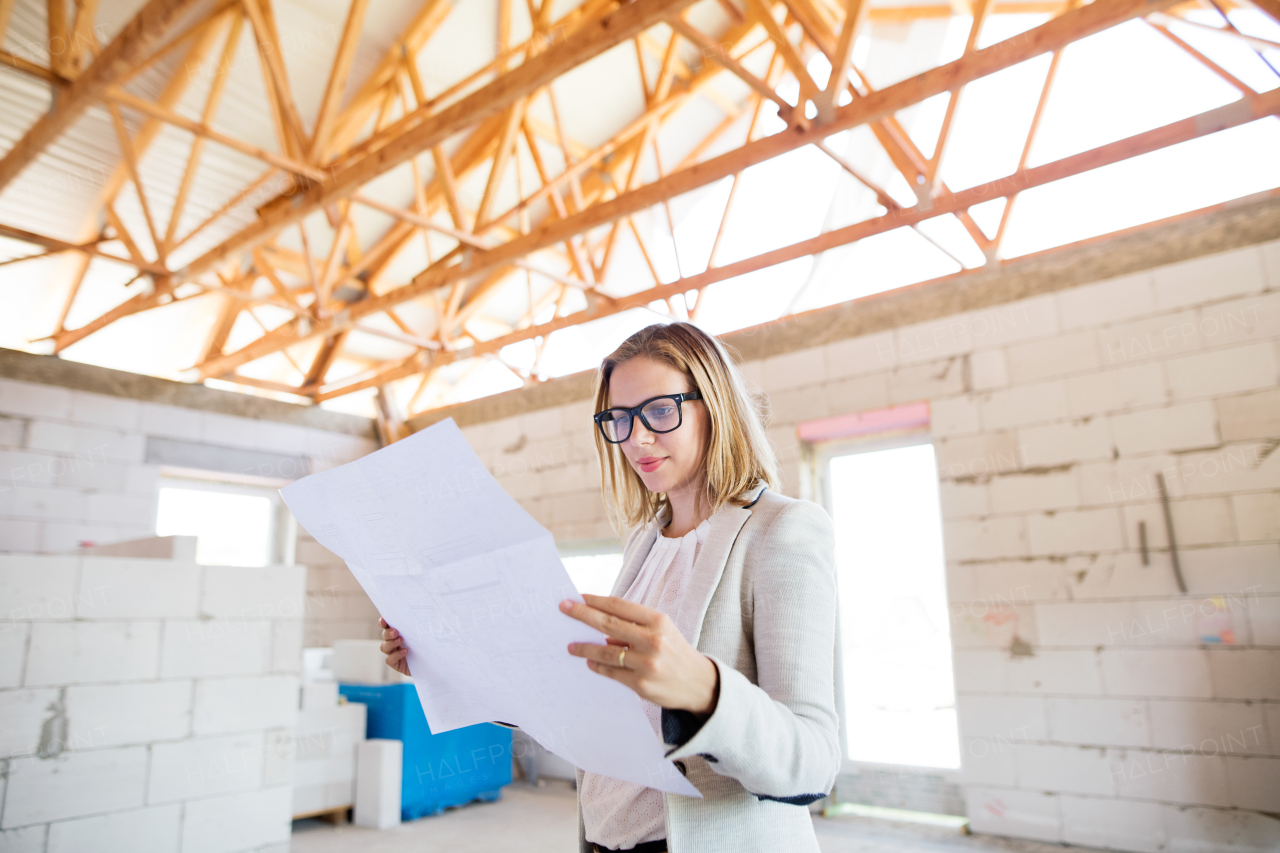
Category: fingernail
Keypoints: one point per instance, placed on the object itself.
(566, 605)
(573, 647)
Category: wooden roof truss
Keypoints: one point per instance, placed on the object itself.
(575, 205)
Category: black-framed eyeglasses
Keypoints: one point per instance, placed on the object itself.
(659, 414)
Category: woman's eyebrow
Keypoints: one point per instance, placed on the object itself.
(643, 400)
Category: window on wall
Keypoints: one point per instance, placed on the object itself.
(899, 691)
(234, 525)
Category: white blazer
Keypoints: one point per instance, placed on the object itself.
(761, 603)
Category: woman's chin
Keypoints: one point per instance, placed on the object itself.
(656, 482)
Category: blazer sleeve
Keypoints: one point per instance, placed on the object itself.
(779, 738)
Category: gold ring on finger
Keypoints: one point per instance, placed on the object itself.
(622, 660)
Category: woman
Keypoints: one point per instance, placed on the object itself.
(722, 619)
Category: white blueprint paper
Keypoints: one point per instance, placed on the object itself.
(474, 584)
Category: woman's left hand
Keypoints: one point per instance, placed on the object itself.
(659, 663)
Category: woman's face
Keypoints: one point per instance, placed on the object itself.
(670, 461)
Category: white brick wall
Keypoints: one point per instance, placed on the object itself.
(150, 830)
(73, 470)
(243, 704)
(107, 714)
(74, 784)
(1051, 417)
(127, 722)
(89, 652)
(237, 822)
(213, 647)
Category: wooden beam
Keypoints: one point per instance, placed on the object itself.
(133, 305)
(669, 96)
(77, 279)
(324, 358)
(228, 312)
(816, 25)
(263, 266)
(711, 50)
(419, 222)
(1011, 200)
(1271, 7)
(80, 37)
(474, 151)
(326, 282)
(206, 118)
(588, 42)
(6, 12)
(288, 164)
(904, 14)
(131, 160)
(202, 43)
(1230, 78)
(31, 69)
(354, 117)
(737, 177)
(122, 234)
(501, 157)
(55, 245)
(126, 50)
(277, 82)
(410, 366)
(1165, 18)
(338, 75)
(981, 10)
(1222, 118)
(854, 12)
(58, 38)
(1050, 36)
(230, 203)
(449, 186)
(266, 384)
(787, 50)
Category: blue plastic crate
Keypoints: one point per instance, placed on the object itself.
(448, 769)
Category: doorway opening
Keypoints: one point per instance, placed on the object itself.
(898, 683)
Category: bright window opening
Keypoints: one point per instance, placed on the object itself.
(233, 526)
(593, 574)
(896, 646)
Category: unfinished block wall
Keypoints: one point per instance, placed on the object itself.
(1097, 703)
(147, 704)
(78, 466)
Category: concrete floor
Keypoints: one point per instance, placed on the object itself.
(543, 820)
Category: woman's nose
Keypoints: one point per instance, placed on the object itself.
(640, 434)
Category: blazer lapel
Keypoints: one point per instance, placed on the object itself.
(708, 568)
(644, 543)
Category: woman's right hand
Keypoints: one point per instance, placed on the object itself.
(394, 648)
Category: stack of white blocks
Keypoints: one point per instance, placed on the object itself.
(328, 736)
(147, 705)
(380, 762)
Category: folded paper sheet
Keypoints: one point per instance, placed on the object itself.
(473, 584)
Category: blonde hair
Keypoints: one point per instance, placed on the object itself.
(738, 454)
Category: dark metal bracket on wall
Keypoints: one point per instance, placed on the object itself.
(1168, 526)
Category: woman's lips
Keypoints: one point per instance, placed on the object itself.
(649, 464)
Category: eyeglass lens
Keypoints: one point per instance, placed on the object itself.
(662, 415)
